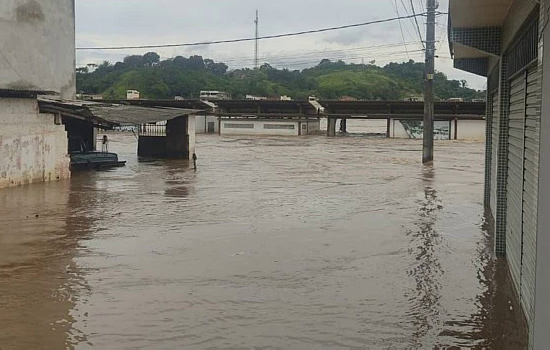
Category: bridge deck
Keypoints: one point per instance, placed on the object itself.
(333, 109)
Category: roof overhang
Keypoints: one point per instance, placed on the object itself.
(475, 29)
(478, 13)
(108, 115)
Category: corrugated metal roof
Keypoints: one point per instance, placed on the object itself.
(109, 114)
(122, 114)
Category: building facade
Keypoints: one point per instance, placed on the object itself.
(37, 56)
(269, 127)
(508, 41)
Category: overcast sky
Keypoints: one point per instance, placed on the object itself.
(101, 23)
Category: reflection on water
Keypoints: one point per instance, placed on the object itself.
(274, 243)
(426, 269)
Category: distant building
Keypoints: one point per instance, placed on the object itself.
(347, 98)
(214, 95)
(286, 98)
(414, 99)
(88, 97)
(455, 99)
(275, 127)
(132, 95)
(255, 98)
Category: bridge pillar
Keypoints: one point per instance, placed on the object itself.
(331, 126)
(344, 125)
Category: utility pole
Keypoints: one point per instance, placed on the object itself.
(428, 149)
(257, 43)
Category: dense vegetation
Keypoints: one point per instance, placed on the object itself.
(186, 77)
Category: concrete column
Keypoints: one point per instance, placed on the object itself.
(388, 128)
(180, 137)
(502, 168)
(344, 125)
(331, 126)
(542, 295)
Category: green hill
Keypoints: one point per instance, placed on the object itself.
(186, 77)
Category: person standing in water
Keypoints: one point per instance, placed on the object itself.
(105, 144)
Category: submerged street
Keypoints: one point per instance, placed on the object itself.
(274, 243)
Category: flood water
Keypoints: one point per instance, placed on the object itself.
(274, 243)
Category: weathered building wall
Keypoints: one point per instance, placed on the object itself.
(32, 147)
(37, 55)
(38, 46)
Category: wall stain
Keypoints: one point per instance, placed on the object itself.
(31, 12)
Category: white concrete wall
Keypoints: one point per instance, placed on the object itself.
(258, 127)
(202, 123)
(38, 46)
(470, 130)
(467, 130)
(32, 147)
(397, 130)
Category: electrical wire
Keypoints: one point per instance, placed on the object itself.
(292, 56)
(251, 39)
(400, 26)
(416, 21)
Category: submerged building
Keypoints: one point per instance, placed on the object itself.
(508, 41)
(37, 56)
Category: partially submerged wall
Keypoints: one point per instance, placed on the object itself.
(32, 147)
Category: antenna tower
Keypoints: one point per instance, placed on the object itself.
(257, 44)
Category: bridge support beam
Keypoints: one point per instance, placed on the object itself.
(331, 126)
(344, 125)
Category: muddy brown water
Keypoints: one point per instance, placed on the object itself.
(274, 243)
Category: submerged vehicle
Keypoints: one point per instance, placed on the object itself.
(95, 160)
(83, 158)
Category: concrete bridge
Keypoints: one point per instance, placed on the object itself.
(332, 109)
(453, 112)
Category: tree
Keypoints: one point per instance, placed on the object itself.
(186, 76)
(215, 68)
(150, 59)
(196, 63)
(133, 61)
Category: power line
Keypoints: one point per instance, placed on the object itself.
(411, 19)
(303, 61)
(401, 27)
(376, 49)
(416, 21)
(372, 48)
(252, 39)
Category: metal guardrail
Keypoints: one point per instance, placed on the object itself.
(152, 129)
